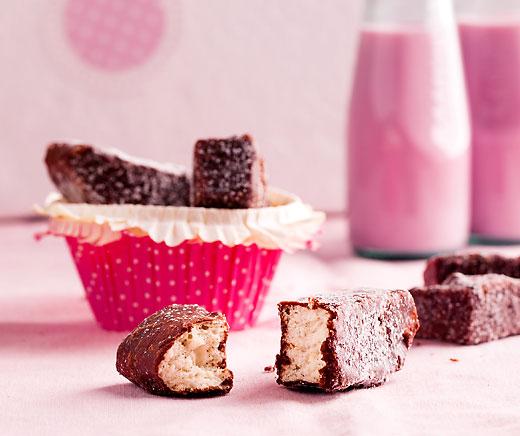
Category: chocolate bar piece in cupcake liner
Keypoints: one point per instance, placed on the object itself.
(469, 310)
(228, 174)
(84, 174)
(352, 339)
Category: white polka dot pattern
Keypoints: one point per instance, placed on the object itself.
(114, 35)
(232, 280)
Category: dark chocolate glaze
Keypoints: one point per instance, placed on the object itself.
(228, 174)
(440, 267)
(370, 332)
(470, 309)
(141, 352)
(84, 174)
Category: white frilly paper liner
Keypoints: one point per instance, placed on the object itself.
(287, 224)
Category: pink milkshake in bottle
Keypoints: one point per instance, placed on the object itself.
(490, 41)
(408, 145)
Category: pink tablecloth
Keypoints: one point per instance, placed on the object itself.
(57, 372)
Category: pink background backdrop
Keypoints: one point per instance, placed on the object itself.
(152, 76)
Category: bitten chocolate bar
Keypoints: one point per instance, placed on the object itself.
(469, 310)
(84, 174)
(179, 350)
(440, 267)
(352, 339)
(228, 174)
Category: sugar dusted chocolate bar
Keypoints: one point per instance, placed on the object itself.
(440, 267)
(178, 351)
(469, 310)
(228, 174)
(352, 339)
(84, 174)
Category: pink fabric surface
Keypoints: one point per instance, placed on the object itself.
(58, 368)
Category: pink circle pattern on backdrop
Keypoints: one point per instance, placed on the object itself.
(114, 35)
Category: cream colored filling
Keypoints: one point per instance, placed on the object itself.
(192, 362)
(306, 331)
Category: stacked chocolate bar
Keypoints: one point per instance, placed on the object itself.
(469, 299)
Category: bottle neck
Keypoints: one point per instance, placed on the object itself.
(488, 10)
(409, 12)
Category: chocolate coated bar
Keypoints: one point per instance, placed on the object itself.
(84, 174)
(469, 309)
(440, 267)
(228, 174)
(345, 340)
(179, 350)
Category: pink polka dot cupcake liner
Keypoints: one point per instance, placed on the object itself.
(134, 259)
(127, 280)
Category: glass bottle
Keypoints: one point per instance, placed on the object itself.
(490, 40)
(408, 142)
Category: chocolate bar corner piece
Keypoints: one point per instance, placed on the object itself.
(438, 268)
(347, 340)
(469, 310)
(84, 174)
(178, 351)
(228, 174)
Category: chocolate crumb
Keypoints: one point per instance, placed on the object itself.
(269, 368)
(454, 359)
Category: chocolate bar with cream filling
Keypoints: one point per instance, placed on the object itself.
(352, 339)
(178, 351)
